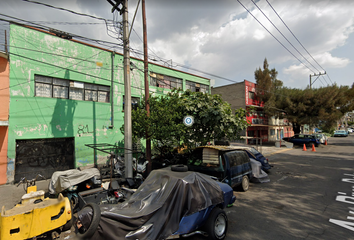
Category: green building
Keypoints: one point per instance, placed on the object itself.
(64, 94)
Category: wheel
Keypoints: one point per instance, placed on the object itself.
(216, 225)
(245, 183)
(86, 233)
(179, 168)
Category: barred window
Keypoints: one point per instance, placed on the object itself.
(164, 81)
(197, 87)
(67, 89)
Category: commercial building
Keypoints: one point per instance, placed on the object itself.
(59, 94)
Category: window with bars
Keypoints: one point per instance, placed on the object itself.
(164, 81)
(62, 88)
(197, 87)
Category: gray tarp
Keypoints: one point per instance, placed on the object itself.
(62, 180)
(154, 211)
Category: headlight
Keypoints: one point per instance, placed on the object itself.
(265, 161)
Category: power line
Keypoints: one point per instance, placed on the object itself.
(42, 27)
(297, 39)
(283, 35)
(67, 10)
(274, 36)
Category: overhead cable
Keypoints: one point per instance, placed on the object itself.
(274, 36)
(283, 35)
(297, 39)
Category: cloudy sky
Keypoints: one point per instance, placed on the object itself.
(221, 39)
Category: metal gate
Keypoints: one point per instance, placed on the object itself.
(43, 156)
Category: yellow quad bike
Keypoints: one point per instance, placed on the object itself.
(35, 216)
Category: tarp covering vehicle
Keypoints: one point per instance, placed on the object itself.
(62, 180)
(156, 209)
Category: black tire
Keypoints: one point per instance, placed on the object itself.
(245, 184)
(216, 225)
(96, 217)
(179, 168)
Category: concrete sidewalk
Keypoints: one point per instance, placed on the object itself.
(267, 149)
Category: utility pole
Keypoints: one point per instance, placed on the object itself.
(313, 75)
(128, 156)
(146, 80)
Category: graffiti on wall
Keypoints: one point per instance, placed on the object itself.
(81, 129)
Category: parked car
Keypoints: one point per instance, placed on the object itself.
(321, 137)
(170, 203)
(300, 139)
(350, 130)
(229, 164)
(253, 153)
(340, 133)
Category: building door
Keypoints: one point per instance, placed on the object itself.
(43, 156)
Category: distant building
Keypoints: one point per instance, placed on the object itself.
(57, 95)
(243, 95)
(4, 116)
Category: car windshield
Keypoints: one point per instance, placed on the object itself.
(253, 150)
(340, 131)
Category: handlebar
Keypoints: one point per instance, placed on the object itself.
(31, 182)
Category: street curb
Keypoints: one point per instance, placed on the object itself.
(279, 151)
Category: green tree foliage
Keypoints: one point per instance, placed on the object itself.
(322, 106)
(267, 87)
(213, 119)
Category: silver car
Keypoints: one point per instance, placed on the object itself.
(321, 137)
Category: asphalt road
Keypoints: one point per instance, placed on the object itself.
(307, 189)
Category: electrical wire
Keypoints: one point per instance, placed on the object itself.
(274, 36)
(297, 39)
(283, 35)
(67, 10)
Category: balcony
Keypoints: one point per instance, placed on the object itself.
(278, 122)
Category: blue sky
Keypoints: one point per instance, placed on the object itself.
(221, 38)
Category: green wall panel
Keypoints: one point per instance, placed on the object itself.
(35, 52)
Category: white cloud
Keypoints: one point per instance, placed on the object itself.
(221, 38)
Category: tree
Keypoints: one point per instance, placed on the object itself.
(213, 119)
(267, 88)
(322, 106)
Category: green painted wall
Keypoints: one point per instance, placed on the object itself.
(35, 52)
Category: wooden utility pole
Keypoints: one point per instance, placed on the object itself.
(146, 80)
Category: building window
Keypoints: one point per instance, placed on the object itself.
(251, 95)
(163, 81)
(135, 101)
(272, 132)
(196, 87)
(63, 88)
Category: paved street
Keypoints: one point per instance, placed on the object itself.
(301, 197)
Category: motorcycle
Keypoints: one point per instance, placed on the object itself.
(71, 182)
